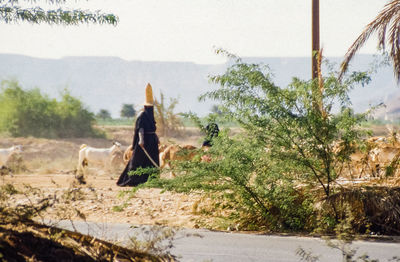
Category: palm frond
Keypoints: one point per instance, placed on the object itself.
(395, 46)
(388, 17)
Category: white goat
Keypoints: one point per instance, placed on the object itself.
(89, 154)
(5, 153)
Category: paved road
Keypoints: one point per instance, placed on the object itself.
(204, 245)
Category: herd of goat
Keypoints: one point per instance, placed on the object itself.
(111, 157)
(379, 154)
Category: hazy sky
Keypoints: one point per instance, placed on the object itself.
(188, 30)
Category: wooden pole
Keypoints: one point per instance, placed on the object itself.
(315, 38)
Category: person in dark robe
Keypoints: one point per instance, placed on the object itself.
(145, 145)
(212, 131)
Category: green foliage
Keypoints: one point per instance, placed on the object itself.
(153, 172)
(200, 123)
(128, 110)
(296, 124)
(29, 113)
(32, 12)
(246, 180)
(119, 208)
(103, 114)
(292, 148)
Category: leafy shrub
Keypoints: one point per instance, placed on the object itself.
(292, 148)
(245, 182)
(29, 113)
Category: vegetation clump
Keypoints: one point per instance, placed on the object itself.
(295, 143)
(128, 111)
(29, 113)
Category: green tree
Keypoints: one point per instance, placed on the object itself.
(128, 110)
(387, 26)
(75, 119)
(300, 137)
(29, 113)
(103, 114)
(289, 152)
(12, 11)
(26, 112)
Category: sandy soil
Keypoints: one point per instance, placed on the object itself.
(104, 201)
(49, 166)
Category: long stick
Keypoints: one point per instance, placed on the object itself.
(315, 38)
(151, 159)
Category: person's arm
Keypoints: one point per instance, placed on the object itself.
(141, 137)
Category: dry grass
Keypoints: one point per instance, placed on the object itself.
(23, 239)
(36, 242)
(373, 209)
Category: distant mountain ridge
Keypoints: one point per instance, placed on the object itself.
(109, 82)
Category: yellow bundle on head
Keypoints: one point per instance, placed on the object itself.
(149, 96)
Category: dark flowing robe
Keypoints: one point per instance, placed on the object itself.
(146, 121)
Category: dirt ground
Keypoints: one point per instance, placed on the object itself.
(105, 202)
(50, 164)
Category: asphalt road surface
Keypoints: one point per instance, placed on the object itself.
(204, 245)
